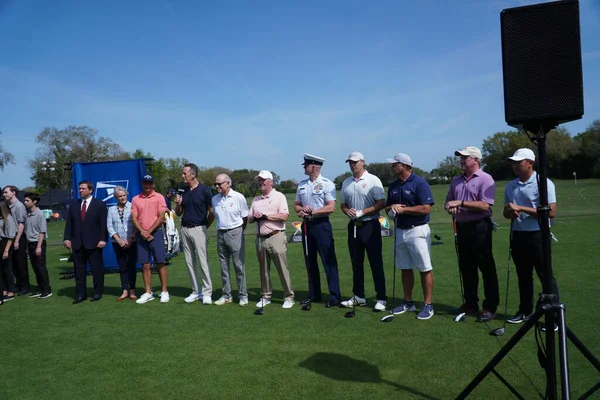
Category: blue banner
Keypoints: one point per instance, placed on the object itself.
(106, 176)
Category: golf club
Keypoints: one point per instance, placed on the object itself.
(390, 316)
(308, 305)
(261, 310)
(352, 313)
(461, 316)
(500, 331)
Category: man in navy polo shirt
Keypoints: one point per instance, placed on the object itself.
(521, 198)
(196, 207)
(409, 202)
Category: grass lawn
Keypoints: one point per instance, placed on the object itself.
(53, 349)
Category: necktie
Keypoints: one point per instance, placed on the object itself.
(83, 209)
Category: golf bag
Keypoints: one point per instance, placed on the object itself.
(172, 243)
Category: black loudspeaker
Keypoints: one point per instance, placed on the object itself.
(541, 62)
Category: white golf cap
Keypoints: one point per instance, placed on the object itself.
(265, 175)
(355, 156)
(523, 154)
(474, 152)
(310, 159)
(401, 158)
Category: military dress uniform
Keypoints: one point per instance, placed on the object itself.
(317, 234)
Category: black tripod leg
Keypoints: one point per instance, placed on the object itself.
(565, 384)
(587, 394)
(587, 354)
(508, 385)
(502, 353)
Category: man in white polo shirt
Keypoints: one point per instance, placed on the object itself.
(231, 210)
(362, 198)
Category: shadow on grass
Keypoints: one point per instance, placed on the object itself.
(343, 368)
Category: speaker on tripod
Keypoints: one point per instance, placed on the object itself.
(543, 87)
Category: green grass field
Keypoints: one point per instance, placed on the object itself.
(108, 350)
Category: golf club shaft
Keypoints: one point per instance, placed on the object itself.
(462, 295)
(508, 268)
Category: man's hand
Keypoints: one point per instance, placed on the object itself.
(178, 199)
(351, 213)
(398, 208)
(38, 251)
(16, 245)
(67, 244)
(453, 206)
(512, 211)
(101, 244)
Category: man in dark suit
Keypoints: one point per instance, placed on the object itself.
(86, 235)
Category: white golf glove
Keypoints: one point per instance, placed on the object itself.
(359, 213)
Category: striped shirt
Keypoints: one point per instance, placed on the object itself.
(121, 226)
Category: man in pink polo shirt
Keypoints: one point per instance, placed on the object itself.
(270, 211)
(147, 214)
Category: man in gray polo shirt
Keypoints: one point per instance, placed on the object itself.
(231, 210)
(19, 255)
(36, 234)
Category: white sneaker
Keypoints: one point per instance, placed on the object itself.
(263, 302)
(146, 297)
(243, 302)
(354, 301)
(380, 305)
(206, 300)
(222, 300)
(288, 304)
(164, 297)
(192, 298)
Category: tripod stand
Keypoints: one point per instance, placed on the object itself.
(549, 308)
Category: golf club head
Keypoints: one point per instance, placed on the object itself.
(460, 317)
(350, 314)
(388, 318)
(497, 332)
(437, 237)
(306, 307)
(260, 311)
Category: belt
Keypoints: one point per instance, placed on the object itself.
(360, 224)
(192, 226)
(410, 226)
(471, 223)
(227, 230)
(316, 219)
(268, 235)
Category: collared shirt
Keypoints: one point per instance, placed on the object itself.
(148, 208)
(480, 187)
(316, 194)
(230, 210)
(87, 203)
(36, 224)
(414, 191)
(362, 193)
(195, 204)
(274, 203)
(8, 228)
(118, 223)
(527, 194)
(19, 212)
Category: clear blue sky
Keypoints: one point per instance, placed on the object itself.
(255, 84)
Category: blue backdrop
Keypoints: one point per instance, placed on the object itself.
(105, 176)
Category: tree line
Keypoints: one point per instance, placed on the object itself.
(566, 154)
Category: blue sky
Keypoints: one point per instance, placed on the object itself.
(255, 84)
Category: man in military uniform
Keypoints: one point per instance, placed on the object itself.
(315, 200)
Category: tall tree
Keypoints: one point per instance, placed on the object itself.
(587, 163)
(498, 147)
(560, 150)
(446, 169)
(68, 145)
(5, 157)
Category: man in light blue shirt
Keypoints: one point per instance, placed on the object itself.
(522, 198)
(315, 200)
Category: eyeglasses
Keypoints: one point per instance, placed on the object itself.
(218, 184)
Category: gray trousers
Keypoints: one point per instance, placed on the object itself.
(195, 243)
(230, 246)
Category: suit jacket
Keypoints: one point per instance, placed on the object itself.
(89, 232)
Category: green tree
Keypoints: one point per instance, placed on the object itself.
(560, 151)
(341, 178)
(446, 169)
(498, 147)
(587, 161)
(288, 186)
(5, 157)
(71, 144)
(383, 171)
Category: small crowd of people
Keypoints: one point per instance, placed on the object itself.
(135, 230)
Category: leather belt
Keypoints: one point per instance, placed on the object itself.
(227, 230)
(360, 224)
(268, 235)
(471, 223)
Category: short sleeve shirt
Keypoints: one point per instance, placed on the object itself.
(230, 210)
(18, 210)
(362, 193)
(8, 227)
(527, 194)
(196, 204)
(148, 208)
(274, 203)
(414, 191)
(36, 224)
(316, 194)
(480, 187)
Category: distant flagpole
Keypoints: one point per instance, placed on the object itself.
(575, 177)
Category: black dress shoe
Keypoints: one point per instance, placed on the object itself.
(332, 303)
(96, 298)
(307, 301)
(79, 300)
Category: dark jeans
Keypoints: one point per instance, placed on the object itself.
(475, 252)
(19, 264)
(7, 279)
(126, 259)
(319, 238)
(38, 264)
(368, 237)
(526, 249)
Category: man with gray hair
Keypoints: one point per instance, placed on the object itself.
(231, 210)
(196, 206)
